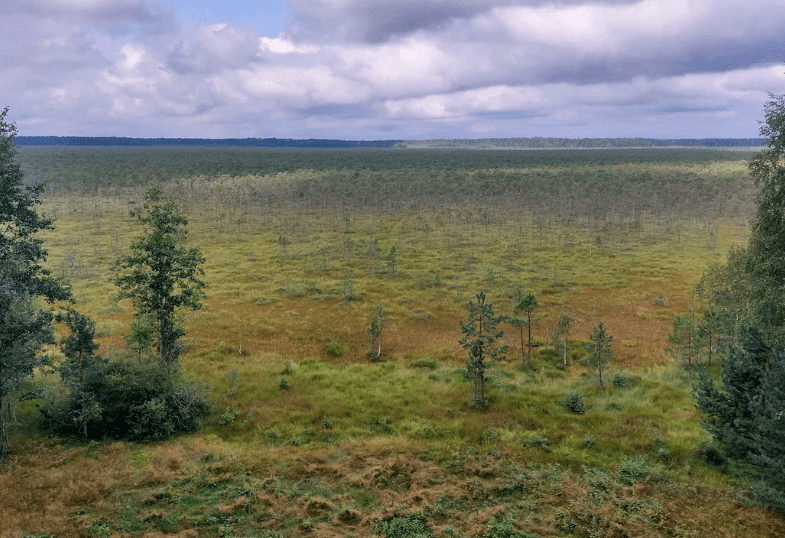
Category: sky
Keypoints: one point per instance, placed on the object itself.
(390, 69)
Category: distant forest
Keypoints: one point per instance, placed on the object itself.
(482, 143)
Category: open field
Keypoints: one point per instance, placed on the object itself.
(298, 256)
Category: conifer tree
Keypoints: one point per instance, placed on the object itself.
(480, 336)
(601, 350)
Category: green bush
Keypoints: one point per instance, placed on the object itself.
(134, 401)
(536, 440)
(336, 348)
(633, 470)
(412, 526)
(621, 380)
(574, 403)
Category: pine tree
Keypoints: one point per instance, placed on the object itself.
(479, 338)
(524, 303)
(601, 350)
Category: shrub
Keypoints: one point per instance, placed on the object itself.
(283, 384)
(711, 454)
(138, 402)
(229, 416)
(574, 403)
(336, 348)
(412, 526)
(536, 440)
(620, 380)
(633, 470)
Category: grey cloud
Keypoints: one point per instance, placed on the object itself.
(377, 21)
(213, 51)
(339, 111)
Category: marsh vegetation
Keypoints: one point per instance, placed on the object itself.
(313, 434)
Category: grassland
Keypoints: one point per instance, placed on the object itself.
(308, 437)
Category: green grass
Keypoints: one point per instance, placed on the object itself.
(309, 436)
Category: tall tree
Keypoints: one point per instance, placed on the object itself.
(24, 326)
(766, 250)
(161, 276)
(480, 335)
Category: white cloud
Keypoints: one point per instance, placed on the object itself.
(359, 68)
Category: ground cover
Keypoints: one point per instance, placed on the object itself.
(310, 437)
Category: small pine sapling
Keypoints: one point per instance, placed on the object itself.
(601, 350)
(561, 336)
(392, 261)
(479, 338)
(374, 334)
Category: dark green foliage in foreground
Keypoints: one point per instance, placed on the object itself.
(131, 400)
(24, 326)
(80, 361)
(746, 411)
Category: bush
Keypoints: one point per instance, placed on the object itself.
(336, 348)
(574, 403)
(412, 526)
(134, 401)
(621, 380)
(536, 440)
(633, 470)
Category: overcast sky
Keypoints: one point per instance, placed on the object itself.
(390, 69)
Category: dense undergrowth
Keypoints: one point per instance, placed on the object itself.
(307, 437)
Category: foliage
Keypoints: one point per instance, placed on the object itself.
(685, 338)
(335, 347)
(744, 413)
(524, 303)
(634, 470)
(131, 400)
(574, 403)
(561, 336)
(766, 248)
(160, 275)
(412, 526)
(24, 327)
(728, 288)
(80, 361)
(374, 334)
(600, 351)
(479, 338)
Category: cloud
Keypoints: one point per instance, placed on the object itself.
(357, 68)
